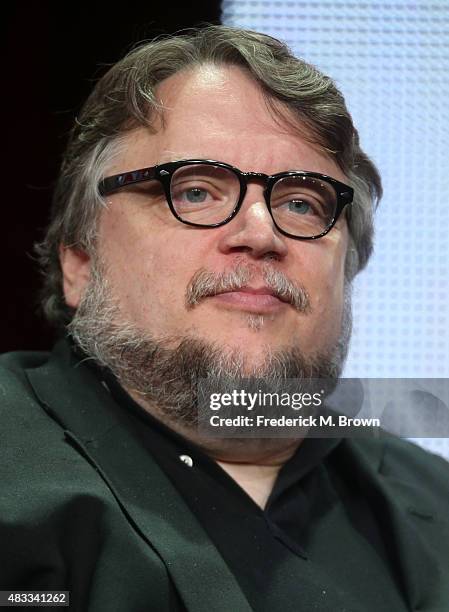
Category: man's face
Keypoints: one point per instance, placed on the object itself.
(152, 259)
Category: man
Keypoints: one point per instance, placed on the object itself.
(213, 206)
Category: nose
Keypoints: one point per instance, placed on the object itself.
(252, 230)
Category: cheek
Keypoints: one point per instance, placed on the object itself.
(323, 276)
(149, 269)
(124, 250)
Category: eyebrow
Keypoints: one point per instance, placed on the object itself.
(172, 156)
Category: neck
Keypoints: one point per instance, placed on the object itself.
(254, 463)
(257, 478)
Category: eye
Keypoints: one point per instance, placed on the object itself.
(194, 195)
(301, 207)
(303, 198)
(198, 193)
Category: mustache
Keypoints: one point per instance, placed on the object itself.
(205, 284)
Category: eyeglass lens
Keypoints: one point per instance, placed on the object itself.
(207, 194)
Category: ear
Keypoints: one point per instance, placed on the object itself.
(75, 264)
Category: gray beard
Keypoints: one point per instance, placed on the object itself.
(165, 373)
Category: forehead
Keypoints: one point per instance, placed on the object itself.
(219, 112)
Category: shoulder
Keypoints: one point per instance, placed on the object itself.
(399, 456)
(27, 428)
(404, 467)
(39, 468)
(13, 366)
(52, 499)
(33, 449)
(19, 408)
(406, 457)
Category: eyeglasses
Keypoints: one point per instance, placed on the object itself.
(206, 193)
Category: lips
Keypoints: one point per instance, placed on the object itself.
(252, 299)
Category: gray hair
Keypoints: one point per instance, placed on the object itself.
(124, 99)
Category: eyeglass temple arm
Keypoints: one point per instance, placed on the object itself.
(112, 183)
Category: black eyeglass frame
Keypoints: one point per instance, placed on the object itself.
(164, 172)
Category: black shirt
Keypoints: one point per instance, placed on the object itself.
(317, 545)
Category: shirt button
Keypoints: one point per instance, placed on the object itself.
(186, 459)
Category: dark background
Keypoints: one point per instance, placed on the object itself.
(53, 54)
